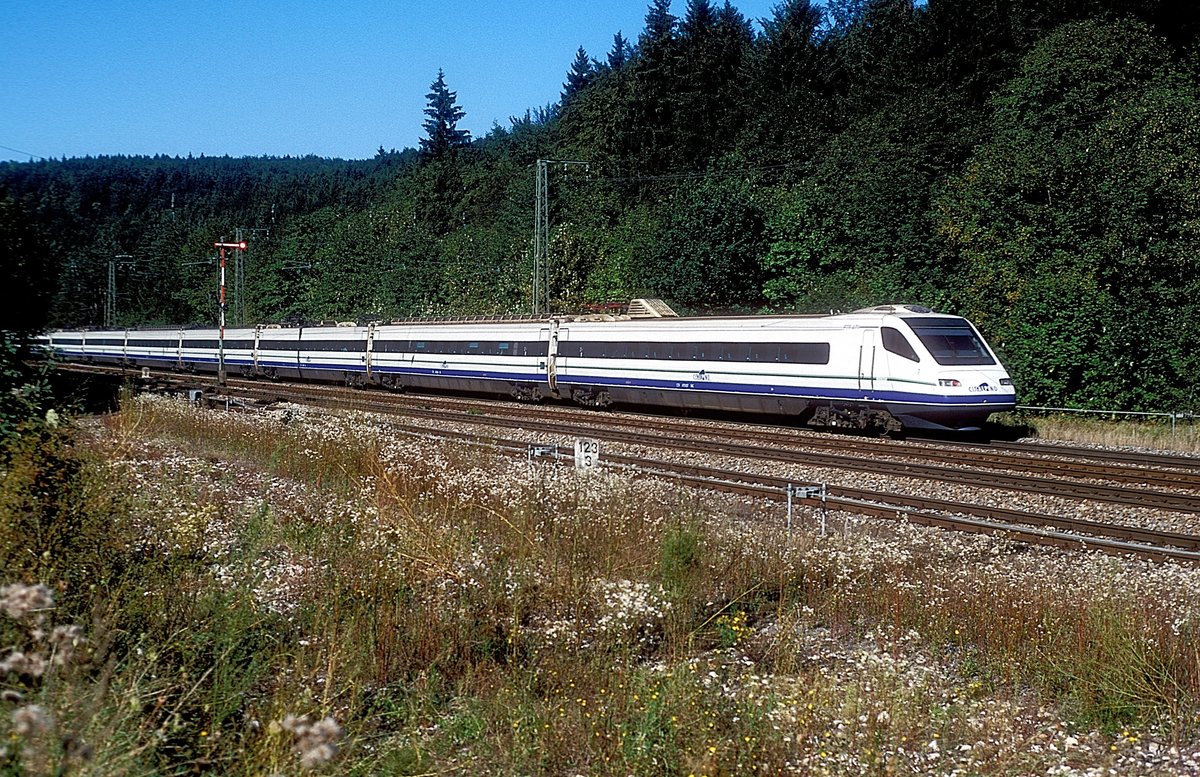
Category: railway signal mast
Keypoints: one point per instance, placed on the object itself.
(541, 233)
(239, 271)
(110, 297)
(240, 246)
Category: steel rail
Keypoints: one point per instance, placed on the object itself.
(956, 456)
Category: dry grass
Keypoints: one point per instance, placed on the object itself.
(432, 609)
(1112, 432)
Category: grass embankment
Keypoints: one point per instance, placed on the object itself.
(1154, 434)
(263, 594)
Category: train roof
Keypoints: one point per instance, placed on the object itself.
(667, 320)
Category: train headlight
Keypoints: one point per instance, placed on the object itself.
(948, 382)
(1006, 381)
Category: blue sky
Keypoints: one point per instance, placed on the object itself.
(334, 79)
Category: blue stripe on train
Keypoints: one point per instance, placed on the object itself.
(805, 392)
(997, 401)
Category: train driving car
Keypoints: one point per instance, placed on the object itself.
(883, 368)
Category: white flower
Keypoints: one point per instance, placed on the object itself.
(316, 743)
(30, 664)
(18, 600)
(30, 720)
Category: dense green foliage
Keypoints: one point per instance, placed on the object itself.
(1033, 165)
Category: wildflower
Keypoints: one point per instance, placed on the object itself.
(316, 743)
(30, 720)
(18, 600)
(65, 639)
(31, 664)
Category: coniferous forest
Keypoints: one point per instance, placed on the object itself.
(1033, 165)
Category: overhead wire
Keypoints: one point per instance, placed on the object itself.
(26, 153)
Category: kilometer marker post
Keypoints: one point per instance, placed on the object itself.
(241, 246)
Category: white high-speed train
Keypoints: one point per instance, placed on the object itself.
(879, 368)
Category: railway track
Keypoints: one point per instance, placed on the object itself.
(987, 468)
(963, 467)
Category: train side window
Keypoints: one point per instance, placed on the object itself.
(804, 353)
(895, 342)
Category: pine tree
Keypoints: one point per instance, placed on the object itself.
(444, 115)
(579, 77)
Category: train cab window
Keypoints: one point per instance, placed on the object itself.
(895, 342)
(951, 341)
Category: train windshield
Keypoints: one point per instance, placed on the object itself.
(951, 341)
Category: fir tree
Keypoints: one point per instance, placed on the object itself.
(621, 51)
(660, 27)
(699, 20)
(581, 74)
(444, 115)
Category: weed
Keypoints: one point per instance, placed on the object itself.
(313, 595)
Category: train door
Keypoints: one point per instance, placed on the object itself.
(550, 336)
(866, 361)
(370, 347)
